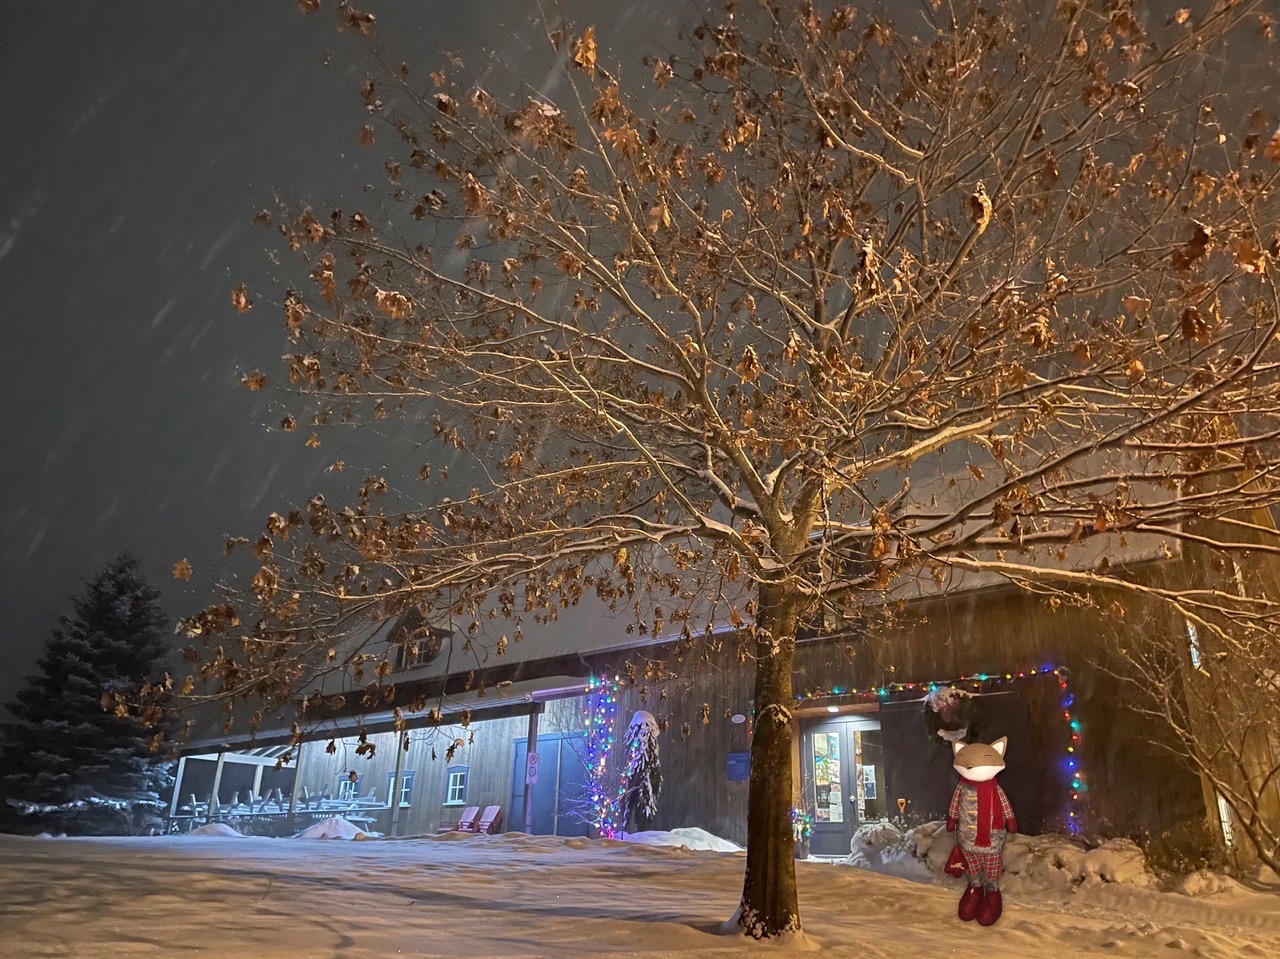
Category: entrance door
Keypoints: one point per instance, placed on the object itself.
(557, 796)
(843, 770)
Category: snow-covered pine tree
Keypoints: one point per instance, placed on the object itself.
(644, 773)
(65, 762)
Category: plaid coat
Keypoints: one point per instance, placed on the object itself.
(983, 864)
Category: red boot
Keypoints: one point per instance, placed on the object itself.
(989, 910)
(970, 903)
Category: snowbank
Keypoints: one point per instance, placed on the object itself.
(335, 828)
(216, 829)
(688, 838)
(1030, 862)
(516, 896)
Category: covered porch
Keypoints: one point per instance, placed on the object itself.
(256, 792)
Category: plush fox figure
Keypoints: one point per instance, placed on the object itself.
(982, 819)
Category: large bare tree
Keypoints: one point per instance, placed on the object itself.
(825, 303)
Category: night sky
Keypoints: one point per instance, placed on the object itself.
(137, 139)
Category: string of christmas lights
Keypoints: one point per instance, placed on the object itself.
(1076, 784)
(801, 825)
(599, 716)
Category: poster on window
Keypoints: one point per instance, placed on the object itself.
(867, 774)
(828, 794)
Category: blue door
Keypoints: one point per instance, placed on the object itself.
(559, 794)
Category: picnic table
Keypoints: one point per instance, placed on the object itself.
(270, 814)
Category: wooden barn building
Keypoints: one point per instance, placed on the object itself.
(1078, 758)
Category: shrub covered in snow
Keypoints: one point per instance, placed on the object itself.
(1030, 861)
(1204, 882)
(643, 778)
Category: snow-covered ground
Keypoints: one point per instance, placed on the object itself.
(516, 895)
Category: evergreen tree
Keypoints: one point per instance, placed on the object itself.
(65, 761)
(644, 772)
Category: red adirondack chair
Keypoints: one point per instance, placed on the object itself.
(466, 822)
(490, 822)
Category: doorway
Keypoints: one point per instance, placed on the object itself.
(842, 780)
(559, 808)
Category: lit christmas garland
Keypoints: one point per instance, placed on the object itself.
(801, 825)
(1076, 784)
(599, 716)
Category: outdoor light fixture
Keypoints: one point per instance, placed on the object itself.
(833, 709)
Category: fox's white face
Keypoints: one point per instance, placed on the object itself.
(978, 762)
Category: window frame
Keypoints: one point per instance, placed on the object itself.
(404, 792)
(348, 789)
(463, 772)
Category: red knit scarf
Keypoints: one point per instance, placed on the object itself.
(989, 816)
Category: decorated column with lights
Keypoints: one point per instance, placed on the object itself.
(600, 715)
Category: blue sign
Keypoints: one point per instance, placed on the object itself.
(738, 767)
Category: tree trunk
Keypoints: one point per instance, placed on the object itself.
(769, 902)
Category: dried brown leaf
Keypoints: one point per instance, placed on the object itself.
(1248, 255)
(1194, 326)
(1272, 150)
(978, 207)
(584, 50)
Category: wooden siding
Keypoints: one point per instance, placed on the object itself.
(487, 751)
(992, 631)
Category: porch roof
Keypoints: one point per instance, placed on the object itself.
(511, 699)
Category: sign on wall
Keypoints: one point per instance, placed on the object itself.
(738, 767)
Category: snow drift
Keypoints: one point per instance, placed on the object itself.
(335, 828)
(216, 829)
(687, 837)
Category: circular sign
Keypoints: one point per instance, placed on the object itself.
(737, 719)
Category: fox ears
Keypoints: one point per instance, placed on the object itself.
(999, 745)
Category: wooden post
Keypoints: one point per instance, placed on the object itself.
(394, 798)
(530, 749)
(214, 800)
(297, 781)
(177, 787)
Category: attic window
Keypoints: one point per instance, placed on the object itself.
(418, 643)
(418, 652)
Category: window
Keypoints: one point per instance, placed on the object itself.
(417, 652)
(406, 786)
(348, 788)
(456, 791)
(416, 642)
